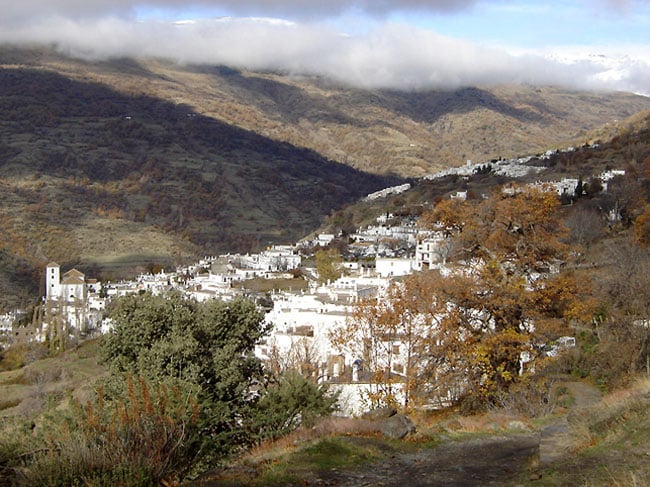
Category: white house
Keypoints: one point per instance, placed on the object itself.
(431, 251)
(300, 331)
(394, 267)
(324, 239)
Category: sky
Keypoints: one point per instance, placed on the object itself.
(397, 44)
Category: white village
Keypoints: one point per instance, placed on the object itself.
(302, 322)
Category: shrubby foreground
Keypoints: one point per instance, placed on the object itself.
(185, 391)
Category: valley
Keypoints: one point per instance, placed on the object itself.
(431, 252)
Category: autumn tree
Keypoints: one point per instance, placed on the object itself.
(642, 227)
(509, 297)
(621, 333)
(328, 265)
(463, 335)
(586, 226)
(370, 336)
(302, 356)
(388, 334)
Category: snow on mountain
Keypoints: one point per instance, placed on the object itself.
(625, 70)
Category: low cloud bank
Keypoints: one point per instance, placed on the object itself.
(392, 55)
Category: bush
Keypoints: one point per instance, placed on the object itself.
(290, 402)
(19, 355)
(150, 436)
(208, 346)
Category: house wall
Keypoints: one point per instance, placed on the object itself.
(393, 267)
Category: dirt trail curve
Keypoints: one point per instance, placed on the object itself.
(491, 460)
(481, 461)
(556, 438)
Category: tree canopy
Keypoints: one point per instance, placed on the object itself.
(206, 345)
(328, 265)
(209, 347)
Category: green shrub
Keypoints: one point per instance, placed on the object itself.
(150, 436)
(207, 346)
(288, 403)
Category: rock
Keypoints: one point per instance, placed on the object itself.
(518, 425)
(396, 426)
(379, 413)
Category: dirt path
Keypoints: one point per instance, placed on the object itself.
(556, 438)
(492, 460)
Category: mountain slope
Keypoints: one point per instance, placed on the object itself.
(379, 131)
(125, 163)
(91, 176)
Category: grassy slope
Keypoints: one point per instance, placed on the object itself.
(27, 391)
(611, 443)
(610, 438)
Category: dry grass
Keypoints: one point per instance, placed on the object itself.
(326, 427)
(611, 442)
(26, 391)
(601, 422)
(487, 422)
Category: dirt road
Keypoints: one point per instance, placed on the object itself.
(493, 460)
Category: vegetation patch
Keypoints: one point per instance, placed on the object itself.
(9, 403)
(315, 457)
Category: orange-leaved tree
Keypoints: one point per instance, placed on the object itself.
(508, 295)
(387, 333)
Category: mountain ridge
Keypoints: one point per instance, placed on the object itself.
(380, 131)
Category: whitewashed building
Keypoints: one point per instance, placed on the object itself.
(431, 252)
(300, 332)
(394, 267)
(71, 298)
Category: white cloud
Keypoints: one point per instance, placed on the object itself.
(390, 55)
